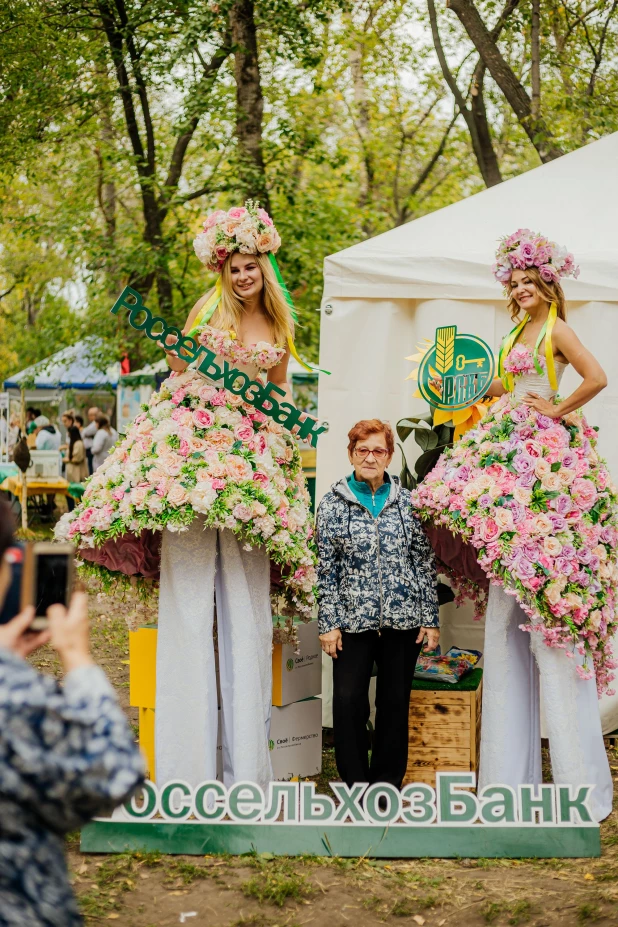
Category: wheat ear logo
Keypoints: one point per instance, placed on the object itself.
(289, 665)
(456, 370)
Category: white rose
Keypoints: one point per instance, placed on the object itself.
(163, 410)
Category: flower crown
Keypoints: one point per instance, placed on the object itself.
(248, 229)
(525, 249)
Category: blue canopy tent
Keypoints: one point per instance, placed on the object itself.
(77, 367)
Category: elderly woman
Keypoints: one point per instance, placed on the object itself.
(377, 604)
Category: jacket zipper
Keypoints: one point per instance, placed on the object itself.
(379, 576)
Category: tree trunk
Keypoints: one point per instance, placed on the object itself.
(249, 102)
(535, 60)
(506, 79)
(487, 159)
(363, 125)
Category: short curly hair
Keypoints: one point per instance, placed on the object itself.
(371, 426)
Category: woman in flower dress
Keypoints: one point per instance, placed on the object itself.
(524, 501)
(212, 487)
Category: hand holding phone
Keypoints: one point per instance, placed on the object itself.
(69, 633)
(47, 578)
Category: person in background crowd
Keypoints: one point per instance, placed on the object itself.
(47, 436)
(68, 418)
(67, 754)
(14, 432)
(75, 461)
(377, 603)
(31, 415)
(88, 434)
(80, 423)
(103, 441)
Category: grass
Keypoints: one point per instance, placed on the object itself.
(520, 912)
(588, 912)
(492, 910)
(277, 885)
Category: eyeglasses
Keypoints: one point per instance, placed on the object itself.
(378, 452)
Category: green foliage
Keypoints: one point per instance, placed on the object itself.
(358, 136)
(276, 883)
(431, 440)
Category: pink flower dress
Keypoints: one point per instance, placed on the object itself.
(525, 501)
(198, 449)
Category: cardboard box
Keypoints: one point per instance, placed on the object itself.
(296, 739)
(297, 676)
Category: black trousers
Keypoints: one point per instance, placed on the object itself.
(395, 653)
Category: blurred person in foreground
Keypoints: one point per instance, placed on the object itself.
(66, 755)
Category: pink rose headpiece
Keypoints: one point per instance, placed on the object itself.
(248, 229)
(525, 249)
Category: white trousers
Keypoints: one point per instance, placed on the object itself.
(511, 736)
(196, 566)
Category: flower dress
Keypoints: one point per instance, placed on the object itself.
(208, 491)
(525, 502)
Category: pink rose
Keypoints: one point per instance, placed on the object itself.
(178, 396)
(258, 444)
(261, 478)
(237, 212)
(243, 432)
(184, 450)
(203, 418)
(118, 493)
(220, 439)
(263, 215)
(218, 484)
(489, 531)
(242, 512)
(221, 252)
(206, 393)
(584, 493)
(533, 448)
(220, 398)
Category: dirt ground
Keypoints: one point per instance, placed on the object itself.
(148, 890)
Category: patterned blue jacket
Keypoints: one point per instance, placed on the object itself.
(373, 572)
(66, 755)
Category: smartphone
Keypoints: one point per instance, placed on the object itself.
(47, 578)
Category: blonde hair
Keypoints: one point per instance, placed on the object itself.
(231, 307)
(551, 292)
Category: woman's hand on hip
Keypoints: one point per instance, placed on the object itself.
(431, 636)
(331, 642)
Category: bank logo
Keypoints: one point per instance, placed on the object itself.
(289, 665)
(456, 370)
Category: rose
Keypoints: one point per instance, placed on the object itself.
(555, 438)
(203, 418)
(558, 521)
(561, 504)
(565, 476)
(219, 399)
(138, 496)
(243, 432)
(171, 465)
(523, 463)
(218, 484)
(198, 445)
(177, 495)
(206, 393)
(540, 524)
(551, 482)
(584, 493)
(155, 504)
(489, 531)
(503, 519)
(238, 469)
(118, 493)
(220, 439)
(242, 512)
(533, 448)
(263, 215)
(237, 212)
(542, 468)
(178, 396)
(551, 546)
(553, 593)
(261, 478)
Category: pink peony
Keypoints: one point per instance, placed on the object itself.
(584, 493)
(242, 512)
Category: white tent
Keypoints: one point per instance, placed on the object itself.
(384, 295)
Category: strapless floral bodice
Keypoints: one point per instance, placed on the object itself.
(260, 356)
(520, 363)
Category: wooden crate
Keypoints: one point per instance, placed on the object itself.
(444, 732)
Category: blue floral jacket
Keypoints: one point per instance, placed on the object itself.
(373, 572)
(67, 754)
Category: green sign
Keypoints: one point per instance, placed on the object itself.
(456, 371)
(265, 397)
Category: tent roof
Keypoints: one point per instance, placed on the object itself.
(448, 253)
(74, 367)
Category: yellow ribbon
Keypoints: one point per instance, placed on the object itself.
(208, 309)
(549, 354)
(297, 356)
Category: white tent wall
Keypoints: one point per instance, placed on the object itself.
(384, 295)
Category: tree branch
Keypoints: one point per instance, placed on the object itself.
(506, 79)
